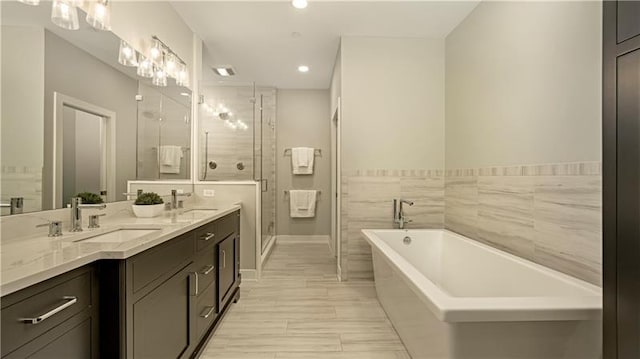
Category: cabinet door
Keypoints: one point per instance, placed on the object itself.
(628, 204)
(226, 269)
(162, 324)
(628, 20)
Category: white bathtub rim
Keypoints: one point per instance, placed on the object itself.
(480, 309)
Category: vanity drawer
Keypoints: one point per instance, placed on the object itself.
(206, 310)
(30, 313)
(227, 225)
(206, 267)
(206, 235)
(159, 261)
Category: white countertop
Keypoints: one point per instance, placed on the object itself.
(31, 260)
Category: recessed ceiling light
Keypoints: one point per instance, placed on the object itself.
(299, 4)
(224, 71)
(303, 68)
(185, 94)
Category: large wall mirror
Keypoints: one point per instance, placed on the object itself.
(73, 119)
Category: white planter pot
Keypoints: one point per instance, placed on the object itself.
(148, 211)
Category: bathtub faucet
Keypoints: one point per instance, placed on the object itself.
(398, 212)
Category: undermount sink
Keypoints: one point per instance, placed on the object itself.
(120, 235)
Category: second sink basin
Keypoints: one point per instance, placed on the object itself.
(120, 235)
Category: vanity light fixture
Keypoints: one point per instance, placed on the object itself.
(65, 14)
(224, 71)
(299, 4)
(99, 14)
(303, 68)
(127, 55)
(30, 2)
(145, 67)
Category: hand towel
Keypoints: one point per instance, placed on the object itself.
(302, 203)
(302, 160)
(170, 157)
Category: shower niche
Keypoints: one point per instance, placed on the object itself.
(237, 137)
(164, 133)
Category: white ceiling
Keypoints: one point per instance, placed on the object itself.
(255, 37)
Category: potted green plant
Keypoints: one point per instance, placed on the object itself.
(90, 198)
(148, 205)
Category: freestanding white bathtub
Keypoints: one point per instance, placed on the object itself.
(450, 297)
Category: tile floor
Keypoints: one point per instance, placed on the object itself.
(300, 311)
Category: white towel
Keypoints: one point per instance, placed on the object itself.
(302, 203)
(170, 157)
(302, 160)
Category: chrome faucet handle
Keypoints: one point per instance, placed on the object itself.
(55, 228)
(94, 220)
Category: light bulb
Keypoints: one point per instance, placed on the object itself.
(171, 65)
(99, 15)
(159, 77)
(145, 67)
(155, 53)
(182, 76)
(65, 14)
(127, 55)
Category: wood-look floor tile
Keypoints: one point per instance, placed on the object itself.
(370, 342)
(346, 355)
(341, 326)
(299, 310)
(281, 343)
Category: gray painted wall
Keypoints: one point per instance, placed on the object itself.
(523, 84)
(73, 72)
(392, 103)
(304, 120)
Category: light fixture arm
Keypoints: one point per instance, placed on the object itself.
(168, 48)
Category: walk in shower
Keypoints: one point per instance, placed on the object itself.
(164, 133)
(238, 141)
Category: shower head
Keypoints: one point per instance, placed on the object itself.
(224, 115)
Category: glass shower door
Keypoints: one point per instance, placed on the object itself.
(267, 151)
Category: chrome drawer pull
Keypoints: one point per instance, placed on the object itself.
(70, 301)
(207, 236)
(207, 312)
(208, 269)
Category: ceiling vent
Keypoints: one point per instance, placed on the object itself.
(224, 71)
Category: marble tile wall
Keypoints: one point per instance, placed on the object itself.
(367, 202)
(549, 214)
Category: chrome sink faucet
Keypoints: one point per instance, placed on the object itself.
(174, 198)
(398, 212)
(76, 212)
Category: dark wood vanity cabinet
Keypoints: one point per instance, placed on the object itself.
(162, 303)
(172, 293)
(57, 318)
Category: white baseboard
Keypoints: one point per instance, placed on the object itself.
(249, 275)
(268, 250)
(316, 239)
